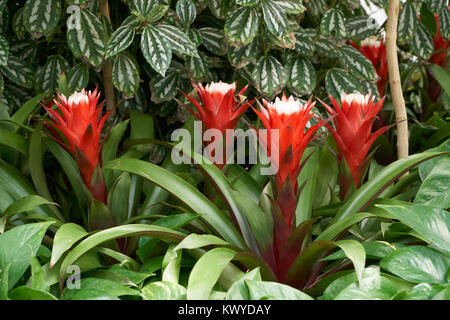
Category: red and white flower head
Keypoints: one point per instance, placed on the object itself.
(290, 118)
(80, 123)
(353, 121)
(375, 51)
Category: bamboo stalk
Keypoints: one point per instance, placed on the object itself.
(394, 79)
(107, 67)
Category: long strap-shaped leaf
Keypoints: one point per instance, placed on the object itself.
(184, 192)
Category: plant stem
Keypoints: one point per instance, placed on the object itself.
(107, 67)
(394, 79)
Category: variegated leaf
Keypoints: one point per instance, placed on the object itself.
(370, 88)
(157, 12)
(422, 43)
(14, 97)
(2, 5)
(301, 75)
(438, 5)
(198, 67)
(131, 21)
(304, 44)
(327, 46)
(120, 40)
(18, 25)
(247, 2)
(220, 8)
(125, 74)
(88, 40)
(77, 2)
(214, 40)
(269, 76)
(177, 39)
(18, 72)
(444, 23)
(407, 22)
(25, 49)
(165, 88)
(274, 18)
(78, 77)
(241, 26)
(315, 7)
(333, 23)
(156, 50)
(291, 6)
(142, 8)
(338, 81)
(4, 51)
(51, 72)
(357, 64)
(39, 79)
(359, 28)
(241, 56)
(4, 20)
(195, 37)
(41, 16)
(186, 12)
(2, 84)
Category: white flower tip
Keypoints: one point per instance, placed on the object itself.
(356, 97)
(220, 87)
(371, 42)
(286, 106)
(77, 97)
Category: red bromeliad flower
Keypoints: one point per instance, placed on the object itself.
(81, 126)
(289, 117)
(353, 131)
(375, 51)
(218, 107)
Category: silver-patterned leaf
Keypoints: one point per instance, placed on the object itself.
(186, 12)
(24, 49)
(220, 8)
(241, 26)
(14, 97)
(359, 28)
(327, 46)
(247, 2)
(407, 22)
(77, 2)
(275, 18)
(18, 25)
(51, 72)
(4, 20)
(269, 76)
(177, 39)
(198, 67)
(370, 88)
(422, 43)
(241, 56)
(214, 40)
(125, 74)
(356, 63)
(142, 8)
(41, 16)
(291, 6)
(304, 44)
(333, 23)
(157, 12)
(315, 7)
(444, 23)
(19, 72)
(2, 84)
(120, 40)
(156, 50)
(338, 81)
(165, 88)
(4, 51)
(87, 38)
(78, 76)
(437, 5)
(195, 37)
(301, 75)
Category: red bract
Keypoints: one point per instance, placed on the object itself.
(441, 47)
(353, 130)
(218, 107)
(81, 126)
(375, 51)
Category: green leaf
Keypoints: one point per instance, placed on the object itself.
(2, 84)
(18, 246)
(87, 37)
(26, 293)
(241, 26)
(437, 5)
(54, 67)
(357, 64)
(163, 290)
(41, 16)
(106, 285)
(206, 272)
(38, 280)
(441, 75)
(264, 290)
(214, 40)
(125, 75)
(239, 289)
(110, 148)
(338, 81)
(93, 294)
(19, 72)
(120, 40)
(374, 249)
(407, 22)
(64, 239)
(177, 39)
(275, 18)
(356, 253)
(333, 23)
(269, 76)
(184, 191)
(186, 12)
(194, 241)
(301, 75)
(27, 203)
(4, 51)
(422, 42)
(78, 77)
(118, 197)
(156, 51)
(435, 189)
(14, 140)
(418, 264)
(432, 223)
